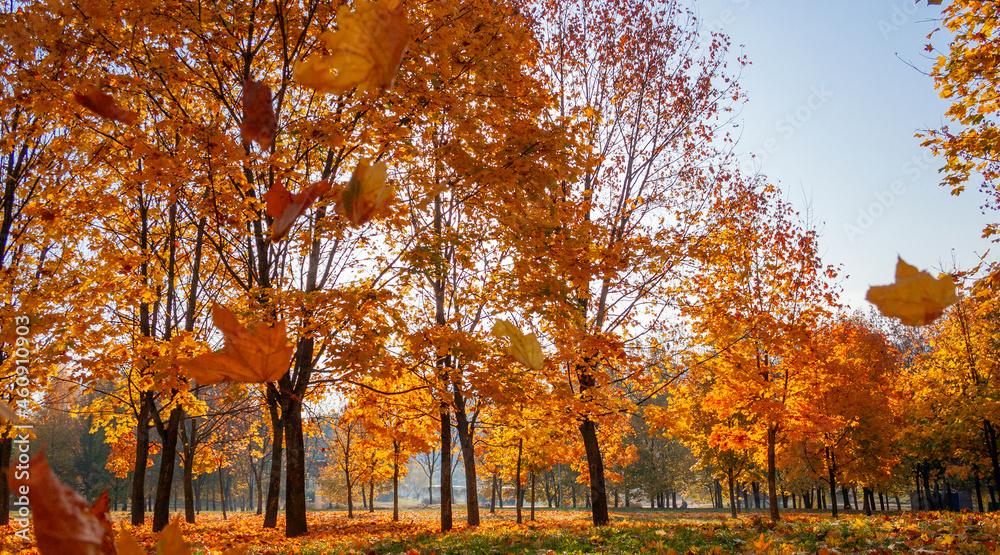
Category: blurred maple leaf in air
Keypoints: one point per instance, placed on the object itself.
(258, 354)
(365, 50)
(258, 114)
(917, 298)
(286, 207)
(365, 193)
(524, 348)
(104, 105)
(63, 522)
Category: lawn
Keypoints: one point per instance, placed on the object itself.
(653, 532)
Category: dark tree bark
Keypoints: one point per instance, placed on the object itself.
(595, 462)
(979, 491)
(931, 504)
(395, 480)
(445, 415)
(295, 471)
(371, 496)
(141, 460)
(168, 458)
(772, 489)
(222, 492)
(493, 495)
(532, 496)
(466, 431)
(733, 503)
(277, 454)
(6, 449)
(831, 465)
(519, 498)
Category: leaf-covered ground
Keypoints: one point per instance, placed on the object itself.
(656, 533)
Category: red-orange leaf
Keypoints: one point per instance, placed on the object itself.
(258, 354)
(104, 105)
(258, 114)
(63, 521)
(285, 207)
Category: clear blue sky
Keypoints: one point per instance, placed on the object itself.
(831, 116)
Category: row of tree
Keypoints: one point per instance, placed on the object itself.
(561, 166)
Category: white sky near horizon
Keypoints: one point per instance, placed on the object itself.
(833, 105)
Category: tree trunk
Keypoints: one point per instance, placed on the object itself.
(831, 466)
(6, 450)
(295, 466)
(517, 482)
(927, 490)
(732, 494)
(991, 447)
(141, 460)
(493, 495)
(277, 453)
(466, 431)
(168, 457)
(350, 491)
(772, 486)
(222, 492)
(446, 520)
(189, 488)
(920, 499)
(532, 496)
(595, 464)
(371, 496)
(395, 481)
(979, 491)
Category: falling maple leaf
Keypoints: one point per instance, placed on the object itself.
(170, 541)
(63, 521)
(104, 105)
(258, 114)
(524, 348)
(365, 193)
(7, 413)
(285, 207)
(365, 50)
(127, 545)
(917, 298)
(256, 355)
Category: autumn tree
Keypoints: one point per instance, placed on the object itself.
(604, 242)
(757, 303)
(46, 288)
(952, 401)
(849, 430)
(966, 76)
